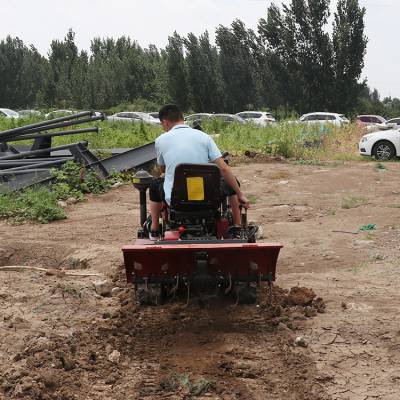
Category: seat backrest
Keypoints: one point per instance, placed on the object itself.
(197, 191)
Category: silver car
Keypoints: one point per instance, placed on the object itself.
(30, 113)
(129, 116)
(260, 118)
(324, 118)
(228, 118)
(7, 113)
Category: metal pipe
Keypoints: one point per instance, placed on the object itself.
(18, 163)
(10, 138)
(45, 123)
(63, 133)
(36, 165)
(22, 172)
(41, 151)
(31, 160)
(64, 124)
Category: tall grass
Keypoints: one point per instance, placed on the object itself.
(291, 140)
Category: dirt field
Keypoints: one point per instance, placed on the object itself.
(61, 340)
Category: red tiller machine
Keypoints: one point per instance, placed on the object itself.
(200, 252)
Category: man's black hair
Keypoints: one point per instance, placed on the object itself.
(170, 112)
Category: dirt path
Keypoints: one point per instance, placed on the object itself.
(60, 340)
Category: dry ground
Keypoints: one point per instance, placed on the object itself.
(56, 333)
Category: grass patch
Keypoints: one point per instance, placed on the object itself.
(35, 204)
(393, 206)
(353, 202)
(279, 175)
(307, 143)
(41, 203)
(380, 166)
(252, 198)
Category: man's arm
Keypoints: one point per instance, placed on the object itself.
(160, 158)
(231, 180)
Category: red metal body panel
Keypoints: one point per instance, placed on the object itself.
(147, 259)
(172, 235)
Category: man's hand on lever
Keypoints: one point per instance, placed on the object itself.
(243, 200)
(231, 180)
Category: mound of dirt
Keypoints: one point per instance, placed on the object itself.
(300, 296)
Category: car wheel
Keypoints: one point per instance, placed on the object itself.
(384, 150)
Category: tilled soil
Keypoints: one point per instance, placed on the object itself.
(61, 340)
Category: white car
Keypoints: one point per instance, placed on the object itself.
(383, 145)
(199, 117)
(153, 114)
(30, 113)
(228, 118)
(7, 113)
(392, 123)
(324, 118)
(59, 113)
(261, 118)
(369, 120)
(129, 116)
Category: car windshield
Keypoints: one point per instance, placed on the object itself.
(197, 117)
(344, 118)
(11, 112)
(143, 115)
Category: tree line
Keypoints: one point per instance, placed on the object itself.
(293, 62)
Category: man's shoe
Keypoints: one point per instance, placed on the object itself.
(235, 232)
(154, 235)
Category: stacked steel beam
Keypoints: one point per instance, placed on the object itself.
(19, 169)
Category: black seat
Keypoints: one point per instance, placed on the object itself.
(196, 193)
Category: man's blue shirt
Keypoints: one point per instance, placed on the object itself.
(180, 145)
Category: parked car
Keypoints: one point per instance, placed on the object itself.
(154, 114)
(59, 113)
(369, 120)
(324, 118)
(30, 113)
(392, 123)
(7, 113)
(261, 118)
(197, 118)
(383, 144)
(228, 118)
(129, 116)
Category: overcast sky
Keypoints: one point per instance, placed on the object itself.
(38, 22)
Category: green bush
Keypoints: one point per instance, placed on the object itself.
(40, 203)
(73, 180)
(34, 204)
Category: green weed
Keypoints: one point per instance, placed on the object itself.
(40, 204)
(314, 144)
(380, 166)
(34, 204)
(353, 202)
(252, 198)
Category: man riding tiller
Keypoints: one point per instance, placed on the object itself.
(203, 242)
